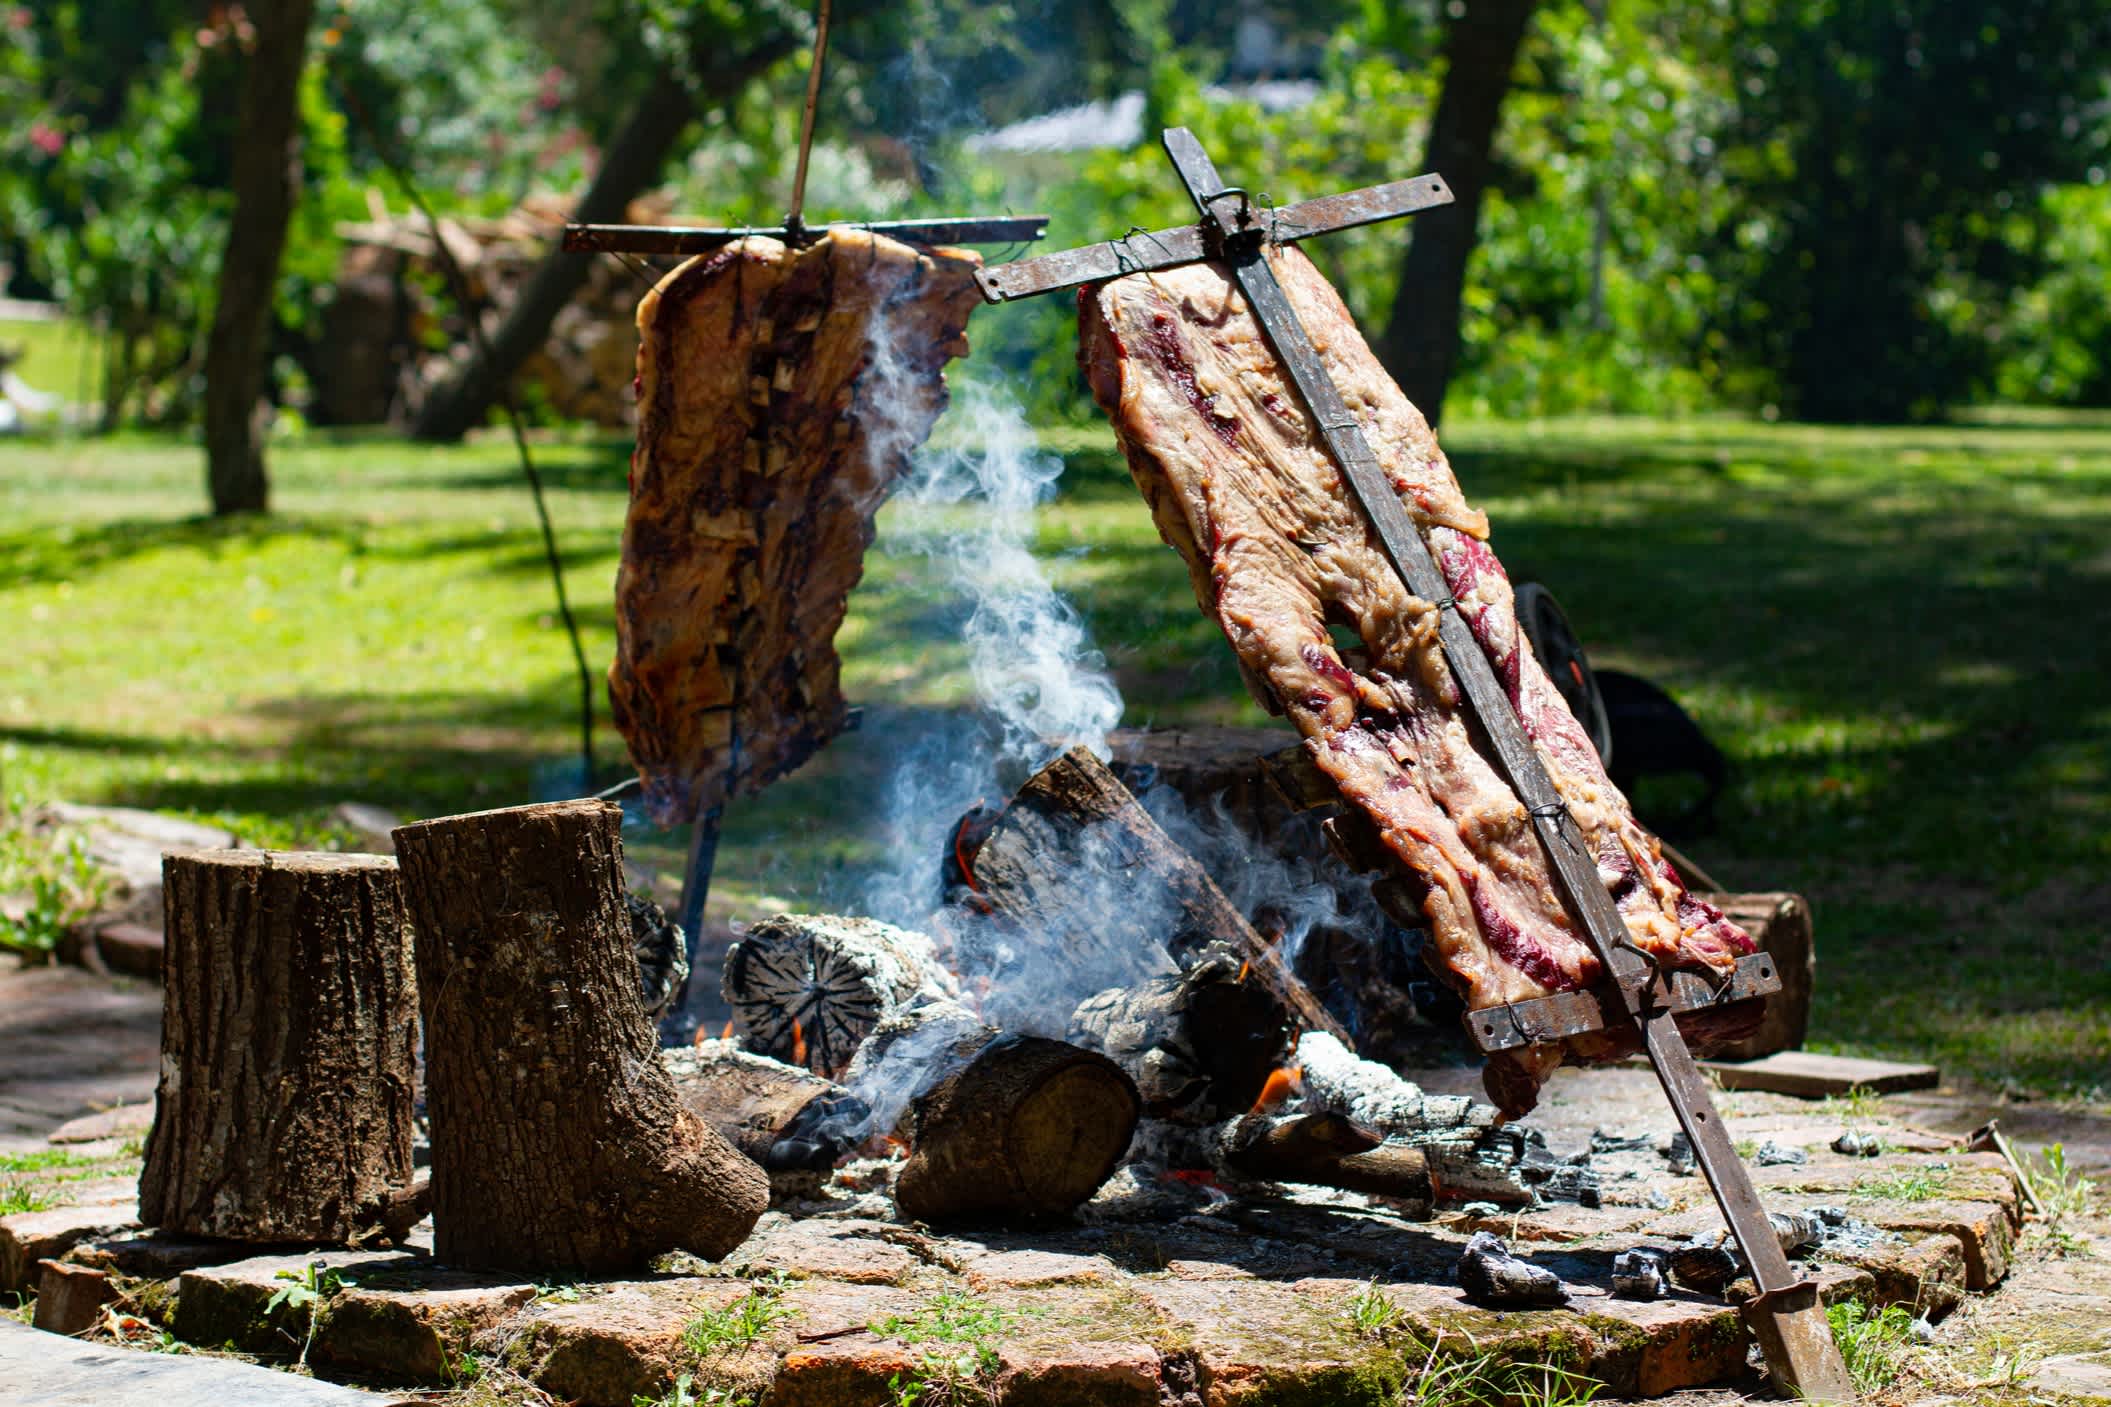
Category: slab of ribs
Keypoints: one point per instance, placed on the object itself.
(780, 392)
(1281, 557)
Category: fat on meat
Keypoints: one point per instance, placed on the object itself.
(780, 392)
(1239, 482)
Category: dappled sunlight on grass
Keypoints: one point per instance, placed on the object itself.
(1892, 632)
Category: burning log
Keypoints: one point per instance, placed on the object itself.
(558, 1140)
(999, 1125)
(1200, 1044)
(1326, 1150)
(783, 1117)
(808, 988)
(287, 1046)
(1077, 860)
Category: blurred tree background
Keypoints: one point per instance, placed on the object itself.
(1838, 210)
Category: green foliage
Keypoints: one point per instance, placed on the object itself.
(735, 1326)
(683, 1393)
(2061, 1192)
(21, 1197)
(1873, 1341)
(309, 1288)
(958, 1335)
(57, 883)
(1489, 1380)
(1371, 1312)
(1884, 150)
(1922, 1184)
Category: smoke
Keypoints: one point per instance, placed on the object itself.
(968, 510)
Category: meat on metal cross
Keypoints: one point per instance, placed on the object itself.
(1785, 1316)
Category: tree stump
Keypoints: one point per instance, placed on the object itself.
(559, 1142)
(287, 1047)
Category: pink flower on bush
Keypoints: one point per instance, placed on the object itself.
(49, 140)
(19, 17)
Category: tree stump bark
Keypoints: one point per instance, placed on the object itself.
(287, 1047)
(558, 1140)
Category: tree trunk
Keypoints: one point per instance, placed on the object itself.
(631, 165)
(287, 1047)
(1420, 344)
(559, 1142)
(265, 179)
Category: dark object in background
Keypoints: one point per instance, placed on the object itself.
(663, 958)
(1639, 730)
(1640, 1274)
(1654, 737)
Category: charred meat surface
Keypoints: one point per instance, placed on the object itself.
(1240, 482)
(780, 392)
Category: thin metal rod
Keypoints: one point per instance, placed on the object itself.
(806, 123)
(1815, 1371)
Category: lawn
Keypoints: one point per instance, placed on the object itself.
(1896, 634)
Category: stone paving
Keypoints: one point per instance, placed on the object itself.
(1207, 1299)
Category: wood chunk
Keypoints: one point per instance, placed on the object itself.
(1326, 1150)
(70, 1298)
(783, 1117)
(1024, 1128)
(1812, 1076)
(1200, 1044)
(558, 1140)
(287, 1047)
(1781, 926)
(808, 988)
(1000, 1126)
(1490, 1275)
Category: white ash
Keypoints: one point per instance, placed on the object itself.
(1773, 1155)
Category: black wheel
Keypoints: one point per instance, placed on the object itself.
(1541, 618)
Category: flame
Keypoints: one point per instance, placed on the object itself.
(727, 1033)
(798, 1043)
(1244, 968)
(1193, 1177)
(963, 858)
(1279, 1086)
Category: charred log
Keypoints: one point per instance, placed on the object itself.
(808, 988)
(287, 1046)
(1199, 1044)
(558, 1138)
(1490, 1275)
(1326, 1150)
(1076, 865)
(1000, 1126)
(780, 1115)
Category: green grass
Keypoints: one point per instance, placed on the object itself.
(1895, 633)
(57, 357)
(1873, 1341)
(737, 1325)
(1911, 1185)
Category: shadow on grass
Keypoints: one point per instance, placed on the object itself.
(43, 555)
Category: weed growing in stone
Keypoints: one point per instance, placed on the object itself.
(958, 1334)
(42, 1160)
(1484, 1380)
(1856, 1107)
(1873, 1341)
(1912, 1185)
(1371, 1312)
(310, 1288)
(62, 884)
(683, 1393)
(2059, 1190)
(22, 1198)
(715, 1331)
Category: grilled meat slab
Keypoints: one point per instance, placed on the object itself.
(1240, 482)
(780, 392)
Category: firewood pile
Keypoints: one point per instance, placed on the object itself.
(391, 333)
